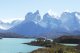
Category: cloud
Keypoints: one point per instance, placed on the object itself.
(68, 10)
(53, 13)
(4, 27)
(9, 20)
(6, 23)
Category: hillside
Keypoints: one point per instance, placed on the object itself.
(68, 39)
(10, 35)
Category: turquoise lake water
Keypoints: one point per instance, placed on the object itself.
(14, 45)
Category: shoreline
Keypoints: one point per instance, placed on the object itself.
(51, 47)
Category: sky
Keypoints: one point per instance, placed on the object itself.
(17, 9)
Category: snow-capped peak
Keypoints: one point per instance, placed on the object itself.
(37, 12)
(77, 15)
(33, 17)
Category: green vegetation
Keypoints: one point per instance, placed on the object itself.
(52, 47)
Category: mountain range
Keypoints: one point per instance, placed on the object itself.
(48, 26)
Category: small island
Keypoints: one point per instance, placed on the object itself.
(55, 46)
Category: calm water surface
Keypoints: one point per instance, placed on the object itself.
(69, 44)
(14, 45)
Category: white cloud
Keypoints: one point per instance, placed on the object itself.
(68, 10)
(4, 28)
(9, 20)
(53, 13)
(6, 22)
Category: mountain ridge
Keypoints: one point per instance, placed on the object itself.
(35, 25)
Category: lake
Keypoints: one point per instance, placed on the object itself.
(14, 45)
(69, 44)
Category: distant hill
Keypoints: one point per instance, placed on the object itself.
(68, 39)
(10, 35)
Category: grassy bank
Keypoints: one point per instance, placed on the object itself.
(57, 49)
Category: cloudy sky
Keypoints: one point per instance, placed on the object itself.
(10, 9)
